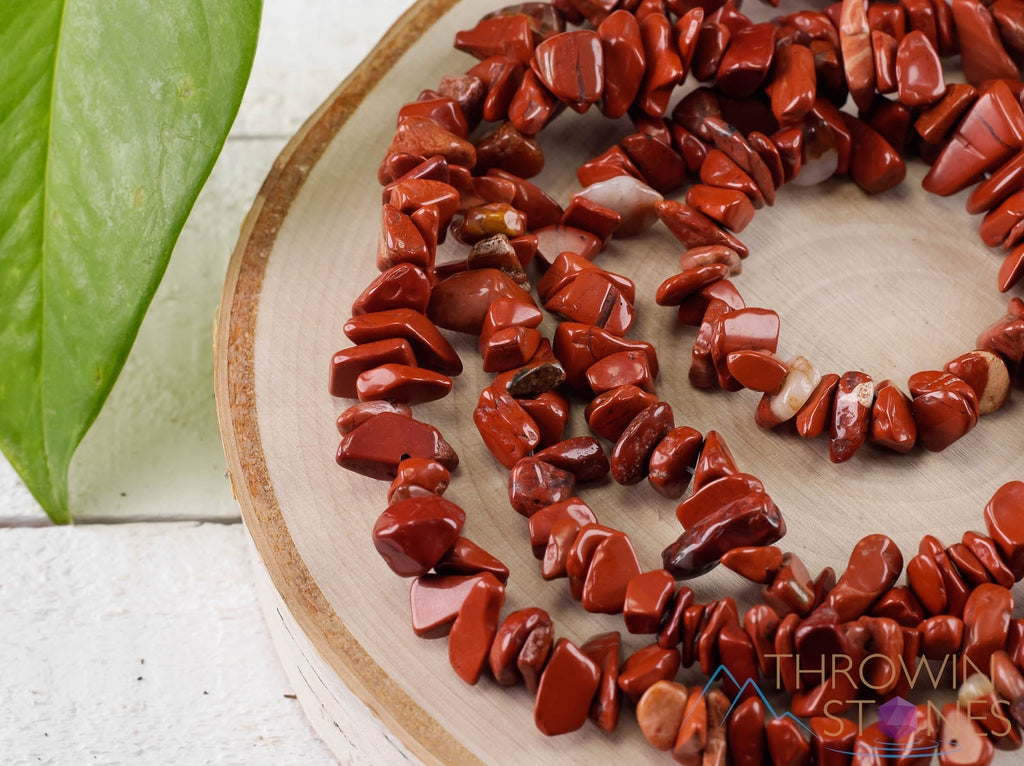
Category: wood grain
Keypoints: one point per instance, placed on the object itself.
(890, 284)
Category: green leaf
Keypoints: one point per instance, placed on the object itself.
(112, 113)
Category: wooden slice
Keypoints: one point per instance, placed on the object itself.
(889, 284)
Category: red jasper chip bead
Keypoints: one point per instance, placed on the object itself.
(467, 558)
(474, 628)
(435, 601)
(347, 365)
(851, 413)
(379, 444)
(632, 451)
(757, 370)
(534, 484)
(757, 564)
(609, 414)
(412, 536)
(358, 414)
(624, 62)
(645, 667)
(510, 641)
(892, 419)
(582, 456)
(812, 418)
(571, 65)
(603, 651)
(716, 495)
(567, 686)
(945, 408)
(673, 460)
(647, 596)
(402, 383)
(1004, 519)
(401, 286)
(610, 569)
(543, 521)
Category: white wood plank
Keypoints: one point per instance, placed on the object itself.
(140, 644)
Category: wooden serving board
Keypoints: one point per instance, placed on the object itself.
(889, 284)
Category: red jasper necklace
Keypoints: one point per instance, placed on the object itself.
(768, 115)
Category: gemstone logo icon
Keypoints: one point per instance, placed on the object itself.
(897, 718)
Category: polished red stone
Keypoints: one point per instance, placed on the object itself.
(403, 383)
(610, 164)
(919, 71)
(472, 633)
(961, 741)
(502, 76)
(534, 484)
(926, 581)
(716, 495)
(883, 49)
(901, 605)
(603, 651)
(379, 444)
(757, 564)
(743, 329)
(556, 554)
(874, 164)
(985, 551)
(348, 364)
(401, 241)
(720, 614)
(509, 348)
(990, 133)
(712, 43)
(851, 413)
(435, 601)
(582, 456)
(679, 287)
(752, 522)
(814, 415)
(892, 419)
(945, 408)
(693, 310)
(505, 148)
(746, 62)
(987, 375)
(889, 18)
(855, 41)
(624, 62)
(571, 65)
(757, 370)
(508, 432)
(715, 462)
(875, 564)
(592, 299)
(672, 461)
(664, 69)
(412, 535)
(521, 647)
(692, 736)
(467, 558)
(567, 686)
(632, 451)
(645, 667)
(401, 286)
(787, 743)
(533, 106)
(1004, 519)
(620, 369)
(577, 563)
(730, 208)
(728, 139)
(647, 596)
(554, 240)
(982, 53)
(609, 414)
(936, 123)
(792, 589)
(610, 569)
(421, 472)
(583, 213)
(461, 301)
(660, 166)
(543, 521)
(357, 414)
(498, 36)
(719, 170)
(577, 346)
(422, 137)
(794, 84)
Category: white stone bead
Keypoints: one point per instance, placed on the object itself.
(629, 197)
(796, 389)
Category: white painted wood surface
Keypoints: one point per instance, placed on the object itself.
(81, 608)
